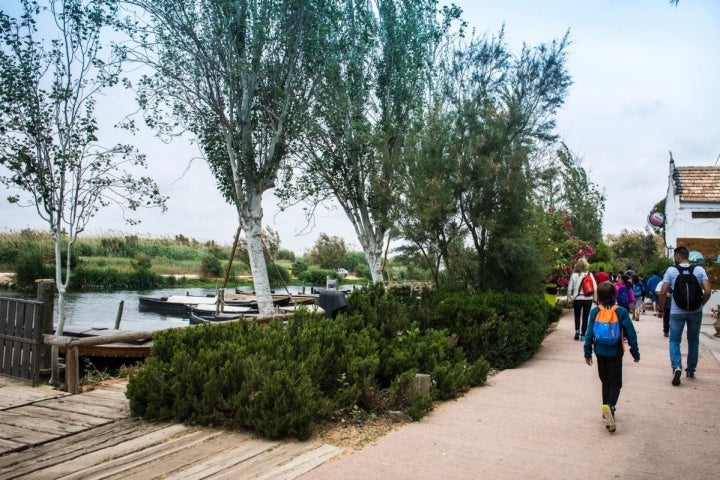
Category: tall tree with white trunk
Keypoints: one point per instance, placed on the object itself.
(239, 75)
(379, 60)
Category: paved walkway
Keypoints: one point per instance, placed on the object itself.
(542, 421)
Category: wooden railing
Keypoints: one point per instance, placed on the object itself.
(72, 345)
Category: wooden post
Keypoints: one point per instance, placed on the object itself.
(119, 314)
(420, 385)
(46, 294)
(72, 370)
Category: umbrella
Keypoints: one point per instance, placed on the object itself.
(696, 257)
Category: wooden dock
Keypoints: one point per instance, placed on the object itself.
(48, 434)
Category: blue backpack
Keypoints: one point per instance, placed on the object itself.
(637, 289)
(623, 299)
(606, 329)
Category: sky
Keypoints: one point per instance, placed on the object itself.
(646, 82)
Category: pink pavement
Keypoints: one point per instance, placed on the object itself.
(542, 420)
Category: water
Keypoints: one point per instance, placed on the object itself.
(86, 310)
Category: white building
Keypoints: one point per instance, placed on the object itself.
(692, 214)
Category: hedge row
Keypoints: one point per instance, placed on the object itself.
(280, 379)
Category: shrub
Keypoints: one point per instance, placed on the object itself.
(29, 267)
(316, 276)
(210, 267)
(279, 379)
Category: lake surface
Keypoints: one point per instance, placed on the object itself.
(87, 310)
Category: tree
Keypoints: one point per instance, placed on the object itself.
(48, 131)
(374, 76)
(505, 108)
(328, 252)
(564, 185)
(633, 248)
(239, 75)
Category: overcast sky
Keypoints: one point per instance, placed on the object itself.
(645, 82)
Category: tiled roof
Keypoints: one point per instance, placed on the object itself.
(697, 184)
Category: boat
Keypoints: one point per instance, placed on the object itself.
(203, 309)
(177, 304)
(180, 304)
(200, 318)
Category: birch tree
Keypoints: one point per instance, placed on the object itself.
(239, 75)
(378, 63)
(51, 157)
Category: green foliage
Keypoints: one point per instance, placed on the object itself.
(278, 275)
(633, 248)
(30, 266)
(279, 379)
(316, 276)
(299, 266)
(328, 252)
(210, 267)
(285, 254)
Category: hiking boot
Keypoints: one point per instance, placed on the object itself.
(676, 377)
(608, 418)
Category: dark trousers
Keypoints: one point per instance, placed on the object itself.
(610, 373)
(581, 309)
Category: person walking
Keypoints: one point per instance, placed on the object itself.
(609, 355)
(652, 283)
(683, 312)
(581, 300)
(601, 276)
(638, 287)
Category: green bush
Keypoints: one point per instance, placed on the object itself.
(316, 276)
(280, 379)
(29, 267)
(210, 267)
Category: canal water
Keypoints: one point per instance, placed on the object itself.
(87, 310)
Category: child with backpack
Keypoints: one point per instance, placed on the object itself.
(607, 326)
(624, 293)
(638, 288)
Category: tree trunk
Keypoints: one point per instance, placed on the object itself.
(251, 223)
(373, 254)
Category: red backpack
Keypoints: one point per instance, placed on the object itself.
(586, 285)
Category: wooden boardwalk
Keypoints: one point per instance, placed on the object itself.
(48, 434)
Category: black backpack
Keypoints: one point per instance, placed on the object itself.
(687, 292)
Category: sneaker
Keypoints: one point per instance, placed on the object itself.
(608, 418)
(666, 335)
(577, 335)
(690, 374)
(676, 377)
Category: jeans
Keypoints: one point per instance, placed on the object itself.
(581, 309)
(677, 324)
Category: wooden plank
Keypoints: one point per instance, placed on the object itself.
(52, 425)
(89, 406)
(79, 419)
(25, 436)
(168, 458)
(121, 465)
(303, 463)
(267, 461)
(34, 461)
(118, 450)
(228, 460)
(16, 395)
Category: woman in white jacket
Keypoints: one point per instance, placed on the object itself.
(582, 301)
